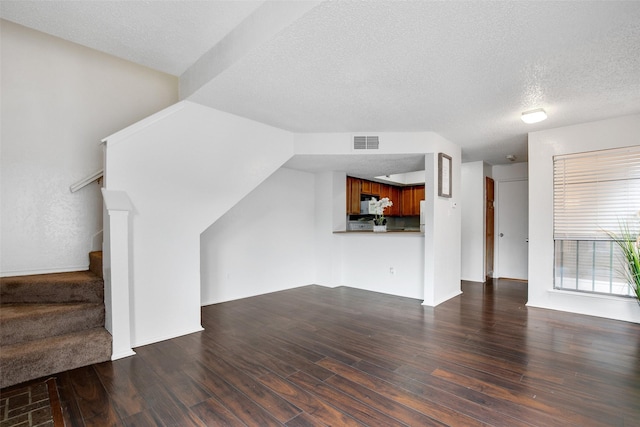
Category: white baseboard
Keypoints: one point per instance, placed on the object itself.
(166, 337)
(441, 300)
(123, 354)
(327, 286)
(44, 271)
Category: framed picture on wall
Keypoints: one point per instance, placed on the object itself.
(444, 175)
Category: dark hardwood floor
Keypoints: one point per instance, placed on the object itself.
(318, 356)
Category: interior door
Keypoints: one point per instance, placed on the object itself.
(489, 227)
(513, 229)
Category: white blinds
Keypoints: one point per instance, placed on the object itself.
(594, 192)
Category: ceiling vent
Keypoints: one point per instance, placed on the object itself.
(366, 143)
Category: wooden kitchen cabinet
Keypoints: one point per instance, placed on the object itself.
(353, 196)
(356, 187)
(394, 194)
(385, 191)
(396, 198)
(418, 196)
(370, 188)
(375, 189)
(411, 197)
(406, 200)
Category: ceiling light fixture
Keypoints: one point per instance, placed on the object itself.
(534, 116)
(511, 157)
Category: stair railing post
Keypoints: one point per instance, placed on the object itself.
(116, 272)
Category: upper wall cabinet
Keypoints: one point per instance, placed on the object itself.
(365, 186)
(394, 194)
(406, 200)
(411, 197)
(353, 196)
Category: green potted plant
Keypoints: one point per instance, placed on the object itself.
(629, 243)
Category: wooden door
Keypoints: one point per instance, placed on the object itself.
(489, 227)
(365, 186)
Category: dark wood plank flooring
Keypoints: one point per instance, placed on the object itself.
(316, 356)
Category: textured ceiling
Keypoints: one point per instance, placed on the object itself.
(465, 70)
(361, 165)
(167, 36)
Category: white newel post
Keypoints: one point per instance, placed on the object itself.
(116, 269)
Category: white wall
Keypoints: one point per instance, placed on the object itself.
(473, 213)
(441, 256)
(543, 145)
(59, 100)
(263, 244)
(363, 260)
(510, 172)
(472, 209)
(336, 143)
(330, 216)
(442, 228)
(182, 169)
(292, 243)
(391, 263)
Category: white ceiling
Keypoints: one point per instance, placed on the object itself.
(167, 36)
(361, 165)
(465, 70)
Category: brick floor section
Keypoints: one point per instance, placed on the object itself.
(26, 407)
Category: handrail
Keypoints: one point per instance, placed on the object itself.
(86, 181)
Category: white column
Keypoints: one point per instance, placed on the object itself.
(442, 234)
(117, 286)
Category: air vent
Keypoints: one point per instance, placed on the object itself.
(359, 142)
(366, 143)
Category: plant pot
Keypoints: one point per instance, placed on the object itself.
(379, 228)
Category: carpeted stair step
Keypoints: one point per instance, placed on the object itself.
(27, 322)
(95, 263)
(79, 286)
(51, 323)
(24, 361)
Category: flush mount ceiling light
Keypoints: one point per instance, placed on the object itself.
(534, 116)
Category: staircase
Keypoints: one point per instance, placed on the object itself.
(51, 323)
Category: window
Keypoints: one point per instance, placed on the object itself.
(593, 193)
